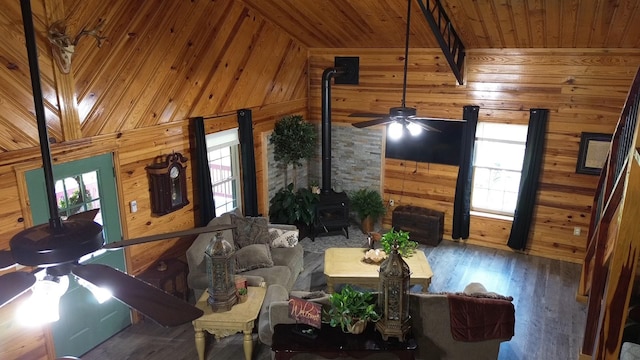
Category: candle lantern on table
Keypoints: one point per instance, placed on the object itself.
(221, 259)
(393, 298)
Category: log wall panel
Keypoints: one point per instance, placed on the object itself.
(584, 90)
(157, 68)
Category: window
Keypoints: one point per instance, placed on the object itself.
(497, 164)
(224, 165)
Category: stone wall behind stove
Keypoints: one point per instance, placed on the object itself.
(356, 161)
(356, 158)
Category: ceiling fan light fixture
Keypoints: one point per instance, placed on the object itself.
(43, 305)
(395, 130)
(414, 129)
(99, 293)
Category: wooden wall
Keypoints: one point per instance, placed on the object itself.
(163, 62)
(583, 89)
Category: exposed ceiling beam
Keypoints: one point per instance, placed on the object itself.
(445, 34)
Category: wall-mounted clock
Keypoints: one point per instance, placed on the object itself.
(168, 183)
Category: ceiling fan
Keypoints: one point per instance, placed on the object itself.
(58, 246)
(402, 116)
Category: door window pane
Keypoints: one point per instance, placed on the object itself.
(78, 193)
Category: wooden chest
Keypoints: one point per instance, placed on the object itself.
(425, 226)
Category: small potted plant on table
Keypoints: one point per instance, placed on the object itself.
(242, 295)
(406, 247)
(351, 310)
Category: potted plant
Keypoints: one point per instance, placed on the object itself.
(369, 206)
(351, 310)
(406, 247)
(242, 295)
(293, 139)
(293, 207)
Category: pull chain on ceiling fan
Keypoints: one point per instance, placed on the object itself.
(403, 116)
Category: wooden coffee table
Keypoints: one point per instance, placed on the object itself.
(345, 266)
(239, 319)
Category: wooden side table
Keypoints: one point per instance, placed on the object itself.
(173, 279)
(240, 318)
(332, 343)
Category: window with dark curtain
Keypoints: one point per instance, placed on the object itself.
(249, 183)
(533, 157)
(202, 176)
(462, 201)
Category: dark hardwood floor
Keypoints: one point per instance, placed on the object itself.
(549, 321)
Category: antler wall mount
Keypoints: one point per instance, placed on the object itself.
(64, 46)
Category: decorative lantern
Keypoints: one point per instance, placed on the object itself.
(393, 299)
(221, 260)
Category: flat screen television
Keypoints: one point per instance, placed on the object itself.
(430, 146)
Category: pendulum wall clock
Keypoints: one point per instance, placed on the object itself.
(168, 183)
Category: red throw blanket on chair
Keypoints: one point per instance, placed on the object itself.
(480, 318)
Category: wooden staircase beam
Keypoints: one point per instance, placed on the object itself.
(450, 43)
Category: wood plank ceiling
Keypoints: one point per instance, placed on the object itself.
(480, 23)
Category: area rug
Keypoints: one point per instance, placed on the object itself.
(323, 242)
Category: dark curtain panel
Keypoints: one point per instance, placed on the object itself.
(249, 184)
(202, 191)
(462, 202)
(531, 166)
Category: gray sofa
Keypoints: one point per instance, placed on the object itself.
(287, 261)
(430, 322)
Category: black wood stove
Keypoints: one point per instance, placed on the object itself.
(332, 212)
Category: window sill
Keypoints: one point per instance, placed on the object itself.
(492, 216)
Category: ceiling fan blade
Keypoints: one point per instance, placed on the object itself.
(6, 260)
(367, 115)
(150, 238)
(87, 215)
(165, 309)
(379, 121)
(14, 284)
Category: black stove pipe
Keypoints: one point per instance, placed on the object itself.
(326, 126)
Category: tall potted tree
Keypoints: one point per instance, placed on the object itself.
(293, 140)
(369, 206)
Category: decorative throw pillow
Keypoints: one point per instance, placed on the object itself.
(249, 230)
(283, 238)
(253, 256)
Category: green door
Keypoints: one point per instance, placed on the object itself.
(82, 185)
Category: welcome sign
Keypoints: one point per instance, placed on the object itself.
(305, 312)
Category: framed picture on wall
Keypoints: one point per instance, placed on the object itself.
(594, 148)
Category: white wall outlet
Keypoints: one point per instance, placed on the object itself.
(391, 202)
(576, 231)
(134, 206)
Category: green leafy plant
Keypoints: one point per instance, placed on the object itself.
(348, 306)
(293, 139)
(367, 202)
(292, 207)
(406, 247)
(242, 291)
